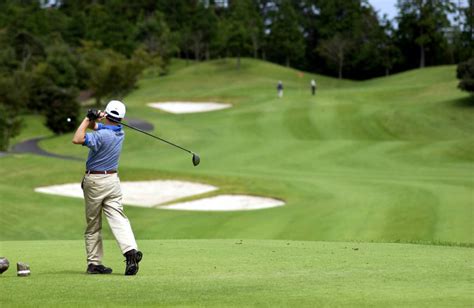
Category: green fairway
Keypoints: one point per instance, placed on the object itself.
(244, 273)
(389, 159)
(367, 169)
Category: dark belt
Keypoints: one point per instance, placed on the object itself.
(101, 172)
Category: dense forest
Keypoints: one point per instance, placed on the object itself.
(49, 53)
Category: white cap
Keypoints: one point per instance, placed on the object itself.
(115, 109)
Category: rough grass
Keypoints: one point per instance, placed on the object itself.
(243, 273)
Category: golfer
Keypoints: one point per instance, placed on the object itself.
(101, 186)
(313, 86)
(280, 89)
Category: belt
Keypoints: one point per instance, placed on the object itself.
(100, 172)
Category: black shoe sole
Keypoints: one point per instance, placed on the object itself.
(133, 269)
(99, 272)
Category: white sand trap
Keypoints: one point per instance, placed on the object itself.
(226, 203)
(146, 193)
(189, 107)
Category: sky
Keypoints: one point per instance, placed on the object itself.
(388, 6)
(385, 7)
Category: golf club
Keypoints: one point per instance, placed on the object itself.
(196, 159)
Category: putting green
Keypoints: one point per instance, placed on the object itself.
(243, 273)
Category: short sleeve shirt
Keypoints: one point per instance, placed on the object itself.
(105, 145)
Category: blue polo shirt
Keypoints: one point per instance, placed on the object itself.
(105, 145)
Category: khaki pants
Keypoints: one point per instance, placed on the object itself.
(102, 192)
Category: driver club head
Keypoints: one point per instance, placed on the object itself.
(196, 159)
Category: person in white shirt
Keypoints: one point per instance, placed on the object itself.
(313, 86)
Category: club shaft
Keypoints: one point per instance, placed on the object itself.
(156, 137)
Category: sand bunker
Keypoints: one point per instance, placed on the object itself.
(226, 203)
(189, 107)
(146, 193)
(155, 193)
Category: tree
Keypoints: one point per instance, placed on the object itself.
(8, 61)
(465, 72)
(390, 54)
(10, 107)
(110, 74)
(219, 45)
(375, 50)
(107, 26)
(63, 110)
(335, 50)
(29, 50)
(466, 46)
(156, 39)
(239, 40)
(421, 24)
(286, 39)
(62, 65)
(10, 125)
(202, 27)
(356, 20)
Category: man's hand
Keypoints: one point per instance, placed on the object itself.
(94, 114)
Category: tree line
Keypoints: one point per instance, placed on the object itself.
(50, 53)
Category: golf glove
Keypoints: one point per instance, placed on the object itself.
(93, 114)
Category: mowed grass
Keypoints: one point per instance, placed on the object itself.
(389, 159)
(225, 273)
(360, 165)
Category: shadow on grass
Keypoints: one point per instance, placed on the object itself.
(465, 102)
(79, 272)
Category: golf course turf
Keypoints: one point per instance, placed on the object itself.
(245, 273)
(377, 165)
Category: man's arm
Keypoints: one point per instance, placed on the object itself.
(80, 134)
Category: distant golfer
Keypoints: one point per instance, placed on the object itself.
(313, 86)
(280, 89)
(101, 186)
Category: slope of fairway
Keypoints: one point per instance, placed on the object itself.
(243, 273)
(386, 160)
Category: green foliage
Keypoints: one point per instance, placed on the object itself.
(10, 125)
(465, 72)
(156, 40)
(335, 50)
(286, 37)
(38, 85)
(62, 105)
(111, 30)
(10, 107)
(61, 66)
(110, 74)
(239, 40)
(7, 56)
(421, 25)
(29, 49)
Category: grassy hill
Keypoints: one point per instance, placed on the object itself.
(389, 159)
(385, 160)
